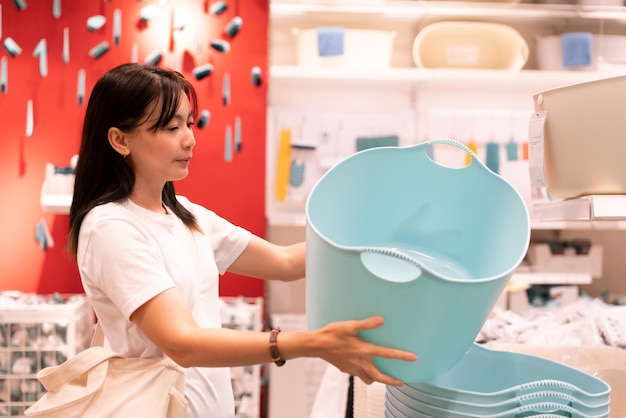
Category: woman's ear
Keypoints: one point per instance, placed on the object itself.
(119, 141)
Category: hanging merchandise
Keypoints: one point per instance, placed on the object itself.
(473, 146)
(12, 47)
(226, 89)
(233, 27)
(95, 23)
(29, 118)
(20, 4)
(298, 165)
(492, 159)
(238, 143)
(511, 149)
(363, 143)
(202, 71)
(66, 45)
(117, 26)
(205, 117)
(99, 50)
(220, 45)
(296, 173)
(218, 8)
(81, 86)
(228, 144)
(4, 83)
(43, 235)
(56, 9)
(255, 75)
(149, 12)
(41, 52)
(154, 58)
(283, 166)
(134, 53)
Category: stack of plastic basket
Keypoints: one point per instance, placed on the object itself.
(502, 384)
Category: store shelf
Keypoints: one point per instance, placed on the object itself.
(412, 10)
(552, 278)
(56, 190)
(522, 80)
(591, 212)
(56, 203)
(469, 100)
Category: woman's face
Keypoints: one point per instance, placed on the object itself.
(164, 155)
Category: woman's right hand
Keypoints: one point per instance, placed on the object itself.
(341, 345)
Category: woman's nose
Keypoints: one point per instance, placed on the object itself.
(190, 139)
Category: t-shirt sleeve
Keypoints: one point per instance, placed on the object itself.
(227, 240)
(120, 260)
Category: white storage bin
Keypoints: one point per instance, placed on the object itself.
(583, 150)
(37, 333)
(57, 190)
(363, 49)
(609, 48)
(479, 45)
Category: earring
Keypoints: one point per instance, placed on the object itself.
(126, 155)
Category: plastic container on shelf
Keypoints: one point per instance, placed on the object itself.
(582, 137)
(361, 49)
(604, 48)
(478, 45)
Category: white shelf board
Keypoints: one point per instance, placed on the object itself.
(416, 9)
(286, 219)
(552, 278)
(56, 203)
(537, 225)
(535, 80)
(585, 208)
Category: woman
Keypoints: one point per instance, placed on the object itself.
(150, 261)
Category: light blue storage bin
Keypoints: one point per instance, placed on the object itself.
(558, 403)
(430, 248)
(392, 401)
(487, 406)
(487, 376)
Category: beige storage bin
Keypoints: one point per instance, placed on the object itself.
(470, 45)
(609, 48)
(363, 49)
(583, 136)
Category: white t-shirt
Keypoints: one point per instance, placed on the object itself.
(127, 255)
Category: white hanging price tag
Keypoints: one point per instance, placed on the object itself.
(536, 150)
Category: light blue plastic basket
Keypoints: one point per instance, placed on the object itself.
(560, 402)
(410, 394)
(486, 376)
(430, 248)
(537, 409)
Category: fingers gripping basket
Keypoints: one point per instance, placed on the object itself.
(430, 248)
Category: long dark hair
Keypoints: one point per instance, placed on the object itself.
(123, 98)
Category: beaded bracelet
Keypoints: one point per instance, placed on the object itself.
(274, 347)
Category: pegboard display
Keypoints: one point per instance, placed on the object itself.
(302, 145)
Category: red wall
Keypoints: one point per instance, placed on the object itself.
(233, 189)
